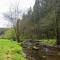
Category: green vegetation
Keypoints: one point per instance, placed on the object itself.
(10, 50)
(40, 22)
(10, 33)
(50, 42)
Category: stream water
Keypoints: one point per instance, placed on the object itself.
(35, 51)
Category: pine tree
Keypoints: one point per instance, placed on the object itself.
(58, 21)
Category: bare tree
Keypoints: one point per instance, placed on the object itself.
(13, 17)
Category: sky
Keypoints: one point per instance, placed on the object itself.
(5, 6)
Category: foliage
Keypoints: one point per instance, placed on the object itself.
(41, 22)
(49, 42)
(10, 50)
(10, 33)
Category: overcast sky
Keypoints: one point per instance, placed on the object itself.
(6, 4)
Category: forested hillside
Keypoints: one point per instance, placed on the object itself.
(40, 22)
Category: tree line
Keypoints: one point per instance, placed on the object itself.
(40, 22)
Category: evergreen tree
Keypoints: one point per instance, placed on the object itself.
(58, 21)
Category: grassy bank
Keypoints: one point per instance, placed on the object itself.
(50, 42)
(10, 50)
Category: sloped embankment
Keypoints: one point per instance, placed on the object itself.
(10, 50)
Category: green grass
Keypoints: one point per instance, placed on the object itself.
(10, 50)
(50, 42)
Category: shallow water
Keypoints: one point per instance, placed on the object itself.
(42, 52)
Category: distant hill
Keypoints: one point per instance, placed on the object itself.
(2, 30)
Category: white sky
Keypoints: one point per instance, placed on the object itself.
(5, 5)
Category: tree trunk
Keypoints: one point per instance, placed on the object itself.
(58, 21)
(58, 38)
(18, 31)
